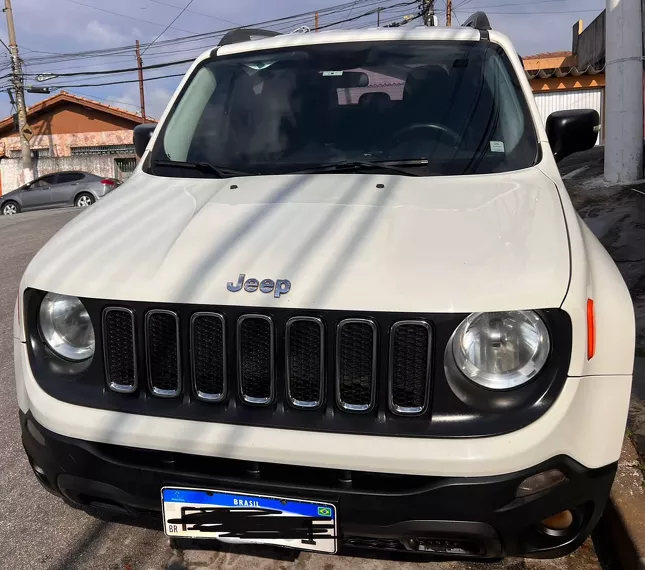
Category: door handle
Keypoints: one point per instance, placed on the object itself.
(74, 183)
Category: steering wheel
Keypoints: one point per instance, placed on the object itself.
(418, 126)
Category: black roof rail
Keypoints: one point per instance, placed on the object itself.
(245, 35)
(479, 21)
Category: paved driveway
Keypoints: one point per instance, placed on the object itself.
(38, 531)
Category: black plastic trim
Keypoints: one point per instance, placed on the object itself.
(482, 510)
(116, 386)
(447, 416)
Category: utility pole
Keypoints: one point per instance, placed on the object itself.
(427, 12)
(316, 22)
(24, 132)
(142, 94)
(624, 91)
(378, 17)
(448, 12)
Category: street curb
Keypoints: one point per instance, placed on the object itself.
(624, 516)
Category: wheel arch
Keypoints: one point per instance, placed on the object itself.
(599, 279)
(82, 192)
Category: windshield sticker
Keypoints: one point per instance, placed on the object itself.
(332, 73)
(496, 146)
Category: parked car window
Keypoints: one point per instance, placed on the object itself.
(43, 182)
(68, 177)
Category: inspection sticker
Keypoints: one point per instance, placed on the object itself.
(496, 146)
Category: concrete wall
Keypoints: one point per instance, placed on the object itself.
(11, 168)
(590, 44)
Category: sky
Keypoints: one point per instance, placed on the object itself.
(68, 26)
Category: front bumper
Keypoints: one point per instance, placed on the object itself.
(463, 516)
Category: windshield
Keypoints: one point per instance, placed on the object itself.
(437, 107)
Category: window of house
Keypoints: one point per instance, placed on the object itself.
(102, 149)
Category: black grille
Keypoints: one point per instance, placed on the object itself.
(409, 367)
(120, 363)
(163, 353)
(356, 354)
(209, 356)
(256, 360)
(305, 372)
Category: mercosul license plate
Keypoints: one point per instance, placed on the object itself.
(249, 519)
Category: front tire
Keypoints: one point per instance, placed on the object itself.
(84, 200)
(10, 208)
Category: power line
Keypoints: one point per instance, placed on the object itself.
(206, 39)
(510, 4)
(197, 13)
(365, 14)
(169, 25)
(125, 15)
(349, 13)
(548, 13)
(59, 58)
(106, 100)
(57, 87)
(124, 70)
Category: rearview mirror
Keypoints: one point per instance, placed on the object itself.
(572, 131)
(141, 136)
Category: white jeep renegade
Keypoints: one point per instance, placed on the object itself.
(344, 301)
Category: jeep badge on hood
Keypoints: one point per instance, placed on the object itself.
(279, 287)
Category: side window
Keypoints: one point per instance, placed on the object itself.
(69, 177)
(44, 182)
(183, 123)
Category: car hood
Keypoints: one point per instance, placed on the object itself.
(344, 241)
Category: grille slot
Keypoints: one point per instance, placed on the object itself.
(208, 351)
(120, 349)
(356, 364)
(305, 361)
(162, 353)
(409, 373)
(256, 361)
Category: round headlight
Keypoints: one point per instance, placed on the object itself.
(66, 327)
(501, 350)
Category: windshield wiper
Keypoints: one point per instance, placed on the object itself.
(398, 166)
(221, 171)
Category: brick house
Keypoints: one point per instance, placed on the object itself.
(70, 133)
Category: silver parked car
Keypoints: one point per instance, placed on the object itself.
(57, 190)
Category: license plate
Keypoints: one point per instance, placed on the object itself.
(249, 519)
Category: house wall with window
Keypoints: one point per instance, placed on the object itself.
(575, 79)
(70, 133)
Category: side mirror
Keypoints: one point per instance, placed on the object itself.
(141, 137)
(572, 131)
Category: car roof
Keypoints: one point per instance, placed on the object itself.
(344, 36)
(67, 172)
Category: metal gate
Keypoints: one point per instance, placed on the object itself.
(124, 167)
(551, 101)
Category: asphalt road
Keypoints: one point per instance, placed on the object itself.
(38, 531)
